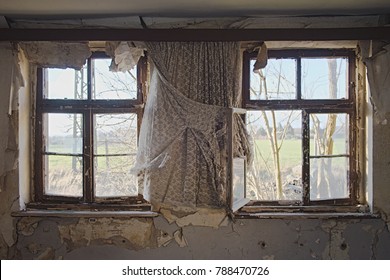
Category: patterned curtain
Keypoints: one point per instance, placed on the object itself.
(182, 145)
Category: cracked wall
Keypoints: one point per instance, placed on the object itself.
(156, 238)
(204, 235)
(8, 146)
(381, 168)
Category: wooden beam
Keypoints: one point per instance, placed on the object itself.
(292, 34)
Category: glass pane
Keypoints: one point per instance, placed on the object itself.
(276, 81)
(113, 178)
(113, 85)
(238, 185)
(63, 176)
(329, 134)
(66, 83)
(115, 134)
(63, 133)
(328, 178)
(324, 78)
(276, 173)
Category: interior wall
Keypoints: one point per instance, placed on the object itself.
(156, 238)
(9, 192)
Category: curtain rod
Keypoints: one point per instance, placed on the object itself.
(211, 35)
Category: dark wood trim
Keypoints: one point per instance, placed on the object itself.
(38, 148)
(246, 80)
(305, 158)
(299, 79)
(307, 107)
(62, 105)
(271, 34)
(304, 53)
(88, 108)
(311, 105)
(142, 82)
(353, 130)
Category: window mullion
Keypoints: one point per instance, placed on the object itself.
(305, 158)
(88, 140)
(299, 78)
(88, 157)
(39, 177)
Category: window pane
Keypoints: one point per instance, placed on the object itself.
(328, 178)
(63, 176)
(115, 134)
(113, 85)
(276, 173)
(276, 81)
(329, 134)
(63, 133)
(66, 84)
(324, 78)
(113, 178)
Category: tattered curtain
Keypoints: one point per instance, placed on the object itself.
(182, 144)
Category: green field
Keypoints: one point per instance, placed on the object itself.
(291, 151)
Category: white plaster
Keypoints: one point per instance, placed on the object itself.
(369, 154)
(312, 44)
(25, 134)
(56, 54)
(164, 239)
(180, 239)
(203, 217)
(366, 47)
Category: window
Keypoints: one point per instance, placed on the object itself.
(86, 127)
(301, 116)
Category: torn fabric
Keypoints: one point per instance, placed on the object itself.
(182, 150)
(261, 59)
(378, 72)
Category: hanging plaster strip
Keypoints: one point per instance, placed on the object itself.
(378, 73)
(17, 83)
(11, 91)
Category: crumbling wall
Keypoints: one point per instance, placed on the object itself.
(156, 238)
(8, 146)
(381, 168)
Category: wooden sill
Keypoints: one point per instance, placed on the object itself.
(307, 212)
(85, 214)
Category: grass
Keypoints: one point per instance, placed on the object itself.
(260, 177)
(291, 151)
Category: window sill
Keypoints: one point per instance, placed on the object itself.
(281, 215)
(305, 212)
(85, 214)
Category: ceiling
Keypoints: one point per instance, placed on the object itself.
(186, 8)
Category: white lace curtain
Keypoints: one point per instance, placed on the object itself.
(378, 72)
(182, 144)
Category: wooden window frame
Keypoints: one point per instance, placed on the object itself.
(87, 108)
(307, 106)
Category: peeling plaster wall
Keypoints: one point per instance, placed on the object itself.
(189, 238)
(68, 238)
(8, 149)
(381, 168)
